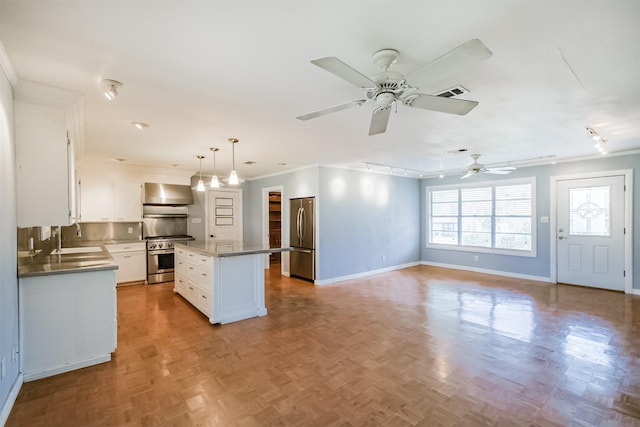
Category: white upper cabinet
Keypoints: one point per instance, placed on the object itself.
(48, 132)
(104, 199)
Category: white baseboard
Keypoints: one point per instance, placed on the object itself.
(488, 271)
(31, 376)
(364, 274)
(11, 399)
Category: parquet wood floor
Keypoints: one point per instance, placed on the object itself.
(420, 346)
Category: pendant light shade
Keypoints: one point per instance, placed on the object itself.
(215, 183)
(233, 176)
(200, 186)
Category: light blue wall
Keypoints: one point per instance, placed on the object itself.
(540, 265)
(360, 217)
(8, 241)
(365, 217)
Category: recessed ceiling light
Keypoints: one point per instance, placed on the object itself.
(174, 165)
(282, 164)
(140, 125)
(250, 162)
(121, 160)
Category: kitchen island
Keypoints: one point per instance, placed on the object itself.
(222, 279)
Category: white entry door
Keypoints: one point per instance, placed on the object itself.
(590, 232)
(224, 214)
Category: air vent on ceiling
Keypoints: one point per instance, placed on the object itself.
(454, 91)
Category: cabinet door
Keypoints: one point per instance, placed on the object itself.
(96, 199)
(42, 165)
(131, 266)
(127, 201)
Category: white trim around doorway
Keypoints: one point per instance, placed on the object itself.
(628, 222)
(265, 224)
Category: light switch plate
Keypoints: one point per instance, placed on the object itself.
(544, 219)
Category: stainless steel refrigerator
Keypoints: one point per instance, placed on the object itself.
(302, 239)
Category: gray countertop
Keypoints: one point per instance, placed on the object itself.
(227, 248)
(44, 264)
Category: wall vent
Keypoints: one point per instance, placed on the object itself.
(451, 92)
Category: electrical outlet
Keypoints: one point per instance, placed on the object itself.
(475, 258)
(130, 230)
(382, 257)
(3, 367)
(14, 352)
(196, 220)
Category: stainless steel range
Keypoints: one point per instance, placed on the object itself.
(160, 257)
(162, 226)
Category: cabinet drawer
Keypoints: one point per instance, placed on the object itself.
(126, 247)
(180, 286)
(205, 260)
(204, 277)
(205, 302)
(192, 271)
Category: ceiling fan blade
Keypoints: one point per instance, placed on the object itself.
(453, 61)
(506, 168)
(379, 120)
(442, 104)
(331, 110)
(467, 175)
(344, 71)
(499, 171)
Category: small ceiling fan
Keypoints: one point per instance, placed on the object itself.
(475, 168)
(388, 87)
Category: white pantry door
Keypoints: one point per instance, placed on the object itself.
(224, 214)
(590, 233)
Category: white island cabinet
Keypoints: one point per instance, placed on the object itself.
(224, 280)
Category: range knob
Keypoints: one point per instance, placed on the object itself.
(169, 245)
(160, 245)
(152, 245)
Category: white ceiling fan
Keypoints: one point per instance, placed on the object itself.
(388, 87)
(475, 168)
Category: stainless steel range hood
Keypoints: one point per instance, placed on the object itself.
(167, 194)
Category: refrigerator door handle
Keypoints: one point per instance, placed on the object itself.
(301, 224)
(305, 251)
(298, 228)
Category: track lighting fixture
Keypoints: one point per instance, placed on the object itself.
(111, 88)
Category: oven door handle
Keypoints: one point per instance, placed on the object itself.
(160, 252)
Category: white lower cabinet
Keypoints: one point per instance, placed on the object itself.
(131, 259)
(67, 321)
(194, 279)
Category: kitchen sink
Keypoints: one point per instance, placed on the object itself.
(77, 250)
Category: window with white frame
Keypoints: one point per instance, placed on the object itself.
(494, 217)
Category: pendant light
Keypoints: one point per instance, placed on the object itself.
(200, 186)
(233, 176)
(214, 179)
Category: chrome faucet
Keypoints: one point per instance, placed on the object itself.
(78, 230)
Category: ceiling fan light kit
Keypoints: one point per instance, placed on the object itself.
(476, 168)
(390, 87)
(600, 141)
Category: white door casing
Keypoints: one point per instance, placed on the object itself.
(589, 231)
(224, 214)
(265, 224)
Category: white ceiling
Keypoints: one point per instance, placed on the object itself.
(200, 72)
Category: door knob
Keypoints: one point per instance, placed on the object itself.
(561, 237)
